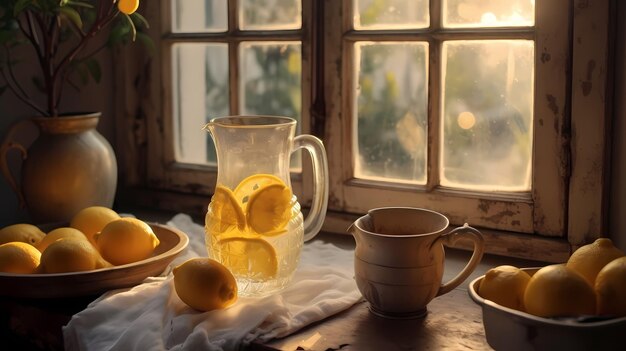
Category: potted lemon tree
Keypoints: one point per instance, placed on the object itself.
(70, 165)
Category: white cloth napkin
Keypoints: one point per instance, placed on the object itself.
(150, 316)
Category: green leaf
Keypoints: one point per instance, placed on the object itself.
(72, 15)
(6, 36)
(79, 4)
(94, 69)
(118, 33)
(147, 42)
(39, 84)
(132, 27)
(140, 19)
(83, 73)
(20, 6)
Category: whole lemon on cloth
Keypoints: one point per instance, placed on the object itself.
(91, 220)
(71, 255)
(205, 284)
(505, 285)
(126, 240)
(611, 288)
(19, 257)
(26, 233)
(558, 291)
(588, 260)
(60, 234)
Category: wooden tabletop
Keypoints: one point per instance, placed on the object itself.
(453, 322)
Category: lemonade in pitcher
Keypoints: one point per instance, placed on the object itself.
(254, 225)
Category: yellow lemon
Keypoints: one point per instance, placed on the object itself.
(128, 7)
(224, 212)
(253, 258)
(253, 183)
(26, 233)
(126, 240)
(19, 257)
(60, 234)
(92, 219)
(269, 209)
(205, 284)
(71, 255)
(611, 288)
(558, 291)
(505, 285)
(588, 260)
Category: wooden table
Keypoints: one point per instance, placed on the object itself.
(453, 322)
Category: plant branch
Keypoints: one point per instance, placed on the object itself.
(11, 72)
(24, 99)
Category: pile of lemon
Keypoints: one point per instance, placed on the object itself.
(239, 221)
(591, 282)
(97, 237)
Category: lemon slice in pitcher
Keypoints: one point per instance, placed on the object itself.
(253, 183)
(269, 209)
(224, 211)
(248, 257)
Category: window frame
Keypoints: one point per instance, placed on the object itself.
(581, 171)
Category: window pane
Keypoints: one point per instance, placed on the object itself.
(200, 79)
(391, 103)
(270, 76)
(488, 13)
(487, 114)
(270, 14)
(199, 15)
(390, 14)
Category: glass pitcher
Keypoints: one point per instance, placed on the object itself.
(253, 224)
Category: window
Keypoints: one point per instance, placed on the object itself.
(467, 107)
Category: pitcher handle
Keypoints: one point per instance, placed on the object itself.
(315, 218)
(5, 147)
(479, 245)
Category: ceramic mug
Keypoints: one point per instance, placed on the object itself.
(399, 259)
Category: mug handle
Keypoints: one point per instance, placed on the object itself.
(315, 218)
(479, 246)
(5, 147)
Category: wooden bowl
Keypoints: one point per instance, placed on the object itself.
(62, 285)
(509, 329)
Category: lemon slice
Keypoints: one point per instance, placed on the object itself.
(253, 183)
(248, 257)
(224, 212)
(269, 209)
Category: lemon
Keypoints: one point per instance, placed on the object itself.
(248, 257)
(505, 285)
(588, 260)
(224, 212)
(59, 234)
(26, 233)
(126, 240)
(71, 255)
(205, 284)
(19, 257)
(558, 291)
(611, 288)
(253, 183)
(269, 209)
(92, 219)
(128, 7)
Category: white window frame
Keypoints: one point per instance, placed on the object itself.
(566, 208)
